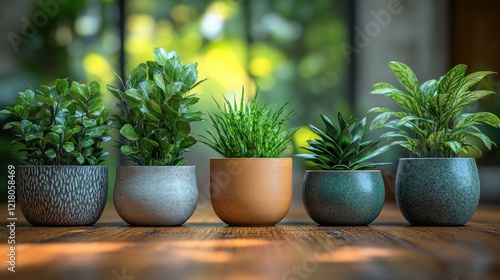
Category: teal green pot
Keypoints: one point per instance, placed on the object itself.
(437, 191)
(343, 197)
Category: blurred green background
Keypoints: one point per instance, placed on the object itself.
(325, 54)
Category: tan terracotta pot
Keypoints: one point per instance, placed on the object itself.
(251, 191)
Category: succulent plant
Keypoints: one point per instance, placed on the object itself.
(155, 110)
(59, 125)
(250, 130)
(433, 123)
(343, 147)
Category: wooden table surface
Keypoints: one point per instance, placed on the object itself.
(204, 248)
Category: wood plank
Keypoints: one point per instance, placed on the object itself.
(204, 248)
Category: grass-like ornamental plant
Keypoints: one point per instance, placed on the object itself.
(433, 122)
(59, 125)
(342, 147)
(155, 110)
(250, 130)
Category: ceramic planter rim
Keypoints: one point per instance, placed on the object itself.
(223, 158)
(439, 158)
(343, 171)
(61, 165)
(155, 166)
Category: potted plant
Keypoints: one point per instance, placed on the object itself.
(251, 186)
(58, 131)
(154, 120)
(434, 186)
(346, 191)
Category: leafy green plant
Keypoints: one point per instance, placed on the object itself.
(250, 130)
(155, 110)
(342, 147)
(59, 125)
(433, 123)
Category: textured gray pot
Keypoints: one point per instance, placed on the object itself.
(343, 197)
(62, 195)
(155, 195)
(437, 191)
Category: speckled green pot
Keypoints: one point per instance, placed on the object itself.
(343, 197)
(437, 191)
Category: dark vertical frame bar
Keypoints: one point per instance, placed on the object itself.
(121, 26)
(351, 81)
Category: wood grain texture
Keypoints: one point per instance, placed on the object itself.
(204, 248)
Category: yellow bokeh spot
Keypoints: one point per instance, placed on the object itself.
(222, 8)
(182, 13)
(224, 65)
(301, 136)
(140, 34)
(96, 65)
(261, 67)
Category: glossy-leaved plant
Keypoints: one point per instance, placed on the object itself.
(155, 110)
(59, 124)
(434, 121)
(343, 147)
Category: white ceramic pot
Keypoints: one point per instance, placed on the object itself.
(155, 195)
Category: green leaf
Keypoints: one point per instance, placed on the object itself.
(406, 77)
(150, 142)
(57, 128)
(451, 81)
(95, 131)
(68, 146)
(127, 150)
(183, 129)
(155, 106)
(10, 125)
(115, 91)
(76, 129)
(173, 88)
(81, 90)
(25, 126)
(189, 76)
(96, 107)
(53, 138)
(485, 139)
(30, 137)
(160, 56)
(159, 81)
(87, 142)
(94, 88)
(380, 120)
(89, 122)
(136, 76)
(134, 95)
(192, 116)
(78, 156)
(428, 88)
(62, 87)
(191, 100)
(5, 113)
(455, 146)
(188, 142)
(50, 153)
(480, 117)
(128, 132)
